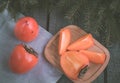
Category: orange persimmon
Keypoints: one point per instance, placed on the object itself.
(82, 43)
(72, 63)
(64, 40)
(95, 57)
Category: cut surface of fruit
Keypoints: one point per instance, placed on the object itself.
(64, 40)
(82, 43)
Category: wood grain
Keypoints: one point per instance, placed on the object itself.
(51, 54)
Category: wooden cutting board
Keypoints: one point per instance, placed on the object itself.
(51, 54)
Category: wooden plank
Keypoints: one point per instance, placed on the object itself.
(57, 22)
(106, 75)
(64, 79)
(100, 79)
(114, 65)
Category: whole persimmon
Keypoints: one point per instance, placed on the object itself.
(26, 29)
(22, 59)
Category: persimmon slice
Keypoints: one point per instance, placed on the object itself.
(95, 57)
(72, 62)
(82, 43)
(64, 40)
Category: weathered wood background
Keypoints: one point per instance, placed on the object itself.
(54, 21)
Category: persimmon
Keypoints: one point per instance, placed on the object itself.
(22, 59)
(64, 40)
(72, 63)
(82, 43)
(95, 57)
(26, 29)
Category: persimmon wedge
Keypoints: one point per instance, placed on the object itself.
(64, 40)
(82, 43)
(95, 57)
(73, 63)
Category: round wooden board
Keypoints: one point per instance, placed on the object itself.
(51, 54)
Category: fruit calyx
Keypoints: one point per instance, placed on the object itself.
(27, 22)
(30, 50)
(83, 71)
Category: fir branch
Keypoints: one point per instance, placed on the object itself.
(96, 15)
(63, 4)
(74, 11)
(2, 6)
(114, 6)
(91, 18)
